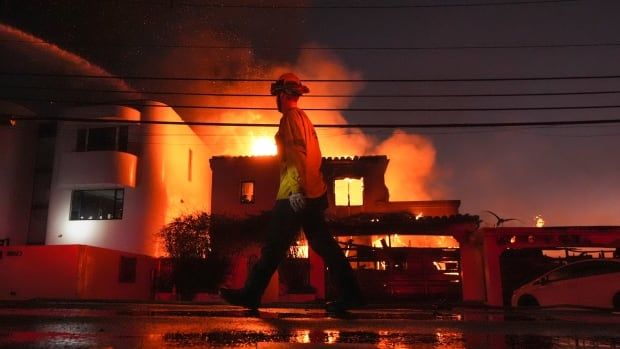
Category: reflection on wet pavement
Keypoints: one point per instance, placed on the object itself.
(217, 326)
(382, 339)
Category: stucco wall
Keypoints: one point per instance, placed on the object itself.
(229, 172)
(165, 176)
(71, 272)
(17, 157)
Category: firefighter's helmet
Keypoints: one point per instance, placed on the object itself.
(290, 84)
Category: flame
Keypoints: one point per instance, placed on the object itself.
(540, 222)
(349, 191)
(411, 157)
(422, 241)
(263, 145)
(299, 250)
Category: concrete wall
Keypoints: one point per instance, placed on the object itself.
(71, 272)
(163, 174)
(17, 155)
(173, 179)
(228, 174)
(370, 168)
(242, 263)
(97, 168)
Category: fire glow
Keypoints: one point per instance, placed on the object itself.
(263, 146)
(539, 221)
(410, 171)
(418, 241)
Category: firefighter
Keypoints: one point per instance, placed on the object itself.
(300, 204)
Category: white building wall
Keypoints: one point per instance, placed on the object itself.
(168, 185)
(17, 157)
(158, 181)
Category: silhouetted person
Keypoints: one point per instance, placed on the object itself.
(300, 203)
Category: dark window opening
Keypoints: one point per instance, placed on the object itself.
(247, 192)
(127, 269)
(97, 204)
(122, 138)
(103, 138)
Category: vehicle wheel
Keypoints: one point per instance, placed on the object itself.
(527, 301)
(616, 301)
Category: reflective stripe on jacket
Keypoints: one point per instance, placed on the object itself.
(300, 156)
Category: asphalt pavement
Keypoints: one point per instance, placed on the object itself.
(53, 324)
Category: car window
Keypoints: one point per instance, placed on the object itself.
(584, 269)
(560, 274)
(604, 267)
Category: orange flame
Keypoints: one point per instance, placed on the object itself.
(263, 145)
(411, 156)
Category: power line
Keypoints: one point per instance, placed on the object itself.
(18, 117)
(361, 95)
(214, 79)
(222, 5)
(101, 44)
(211, 107)
(356, 132)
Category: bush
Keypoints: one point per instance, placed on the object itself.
(187, 240)
(200, 246)
(188, 236)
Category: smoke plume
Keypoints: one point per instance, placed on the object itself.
(411, 156)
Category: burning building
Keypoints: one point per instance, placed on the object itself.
(421, 262)
(113, 179)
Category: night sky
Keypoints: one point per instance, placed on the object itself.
(567, 174)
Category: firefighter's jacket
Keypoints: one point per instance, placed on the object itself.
(300, 156)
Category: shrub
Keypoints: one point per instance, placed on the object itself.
(200, 246)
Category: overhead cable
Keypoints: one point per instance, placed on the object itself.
(103, 44)
(18, 118)
(313, 95)
(219, 107)
(215, 79)
(286, 6)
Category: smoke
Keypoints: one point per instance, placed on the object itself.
(323, 65)
(411, 156)
(242, 63)
(412, 160)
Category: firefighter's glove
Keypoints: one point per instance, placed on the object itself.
(298, 201)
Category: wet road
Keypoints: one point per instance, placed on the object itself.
(131, 325)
